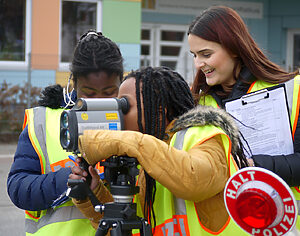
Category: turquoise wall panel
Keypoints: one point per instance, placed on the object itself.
(39, 78)
(275, 39)
(131, 54)
(282, 16)
(292, 21)
(258, 28)
(287, 7)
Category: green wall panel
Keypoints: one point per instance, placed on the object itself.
(121, 20)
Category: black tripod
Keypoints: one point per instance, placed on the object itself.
(121, 219)
(120, 215)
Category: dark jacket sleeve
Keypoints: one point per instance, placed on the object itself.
(27, 188)
(286, 166)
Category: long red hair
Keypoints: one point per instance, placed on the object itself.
(223, 25)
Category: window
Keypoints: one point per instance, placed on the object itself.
(146, 47)
(293, 50)
(170, 41)
(148, 4)
(166, 45)
(77, 17)
(161, 45)
(12, 30)
(296, 61)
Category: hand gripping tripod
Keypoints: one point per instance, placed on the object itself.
(120, 215)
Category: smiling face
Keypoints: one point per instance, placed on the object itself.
(213, 60)
(98, 85)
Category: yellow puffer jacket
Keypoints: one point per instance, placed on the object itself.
(198, 175)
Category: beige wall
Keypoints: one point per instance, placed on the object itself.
(62, 78)
(45, 34)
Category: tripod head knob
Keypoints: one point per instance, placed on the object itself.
(128, 211)
(99, 208)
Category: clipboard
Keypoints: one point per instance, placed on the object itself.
(264, 121)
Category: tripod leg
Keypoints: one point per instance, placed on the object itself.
(146, 229)
(116, 229)
(102, 228)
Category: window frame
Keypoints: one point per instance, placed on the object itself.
(22, 65)
(155, 42)
(184, 61)
(149, 58)
(290, 48)
(64, 66)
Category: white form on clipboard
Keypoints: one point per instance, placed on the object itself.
(265, 121)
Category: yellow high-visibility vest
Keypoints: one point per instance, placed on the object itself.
(294, 96)
(65, 219)
(175, 216)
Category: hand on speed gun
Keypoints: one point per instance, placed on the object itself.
(79, 173)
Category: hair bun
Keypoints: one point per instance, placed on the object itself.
(91, 34)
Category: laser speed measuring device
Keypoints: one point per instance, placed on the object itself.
(91, 114)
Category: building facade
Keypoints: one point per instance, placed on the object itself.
(37, 37)
(274, 24)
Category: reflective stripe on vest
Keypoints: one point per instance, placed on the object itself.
(179, 223)
(43, 130)
(39, 116)
(294, 121)
(28, 120)
(296, 104)
(52, 216)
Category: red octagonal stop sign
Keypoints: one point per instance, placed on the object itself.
(260, 202)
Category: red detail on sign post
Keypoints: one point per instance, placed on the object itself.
(260, 202)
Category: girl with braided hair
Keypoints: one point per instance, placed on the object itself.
(37, 181)
(186, 154)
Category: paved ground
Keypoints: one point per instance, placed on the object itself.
(7, 148)
(11, 217)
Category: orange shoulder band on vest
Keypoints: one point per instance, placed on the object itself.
(25, 119)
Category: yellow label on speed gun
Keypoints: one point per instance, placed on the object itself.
(84, 116)
(111, 116)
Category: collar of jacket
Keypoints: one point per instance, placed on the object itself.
(207, 115)
(169, 133)
(242, 85)
(245, 79)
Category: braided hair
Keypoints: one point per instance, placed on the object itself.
(165, 95)
(95, 53)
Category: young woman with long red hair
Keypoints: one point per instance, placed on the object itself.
(229, 65)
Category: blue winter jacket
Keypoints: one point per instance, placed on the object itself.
(27, 187)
